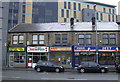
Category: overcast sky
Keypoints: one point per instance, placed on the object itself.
(111, 2)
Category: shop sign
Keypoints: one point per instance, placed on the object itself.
(108, 48)
(37, 49)
(84, 48)
(16, 49)
(60, 48)
(93, 48)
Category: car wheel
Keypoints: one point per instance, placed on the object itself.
(82, 70)
(38, 69)
(57, 70)
(103, 70)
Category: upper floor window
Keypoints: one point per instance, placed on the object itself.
(21, 39)
(79, 7)
(109, 39)
(97, 16)
(18, 39)
(69, 6)
(65, 19)
(35, 39)
(67, 13)
(41, 39)
(38, 39)
(104, 10)
(60, 38)
(74, 6)
(94, 7)
(15, 39)
(85, 39)
(62, 13)
(65, 5)
(101, 16)
(74, 14)
(109, 17)
(105, 39)
(113, 11)
(109, 10)
(112, 39)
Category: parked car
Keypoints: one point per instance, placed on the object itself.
(91, 67)
(118, 68)
(48, 66)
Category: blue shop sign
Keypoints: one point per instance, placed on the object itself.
(84, 48)
(93, 48)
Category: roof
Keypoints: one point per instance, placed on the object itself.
(97, 3)
(49, 27)
(103, 4)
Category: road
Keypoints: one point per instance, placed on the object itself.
(73, 75)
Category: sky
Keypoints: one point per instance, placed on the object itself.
(111, 2)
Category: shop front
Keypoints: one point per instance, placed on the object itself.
(17, 57)
(106, 55)
(61, 55)
(34, 54)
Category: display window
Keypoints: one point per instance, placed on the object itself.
(107, 58)
(35, 57)
(60, 58)
(19, 57)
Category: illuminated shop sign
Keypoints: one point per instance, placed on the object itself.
(37, 49)
(60, 49)
(16, 49)
(93, 48)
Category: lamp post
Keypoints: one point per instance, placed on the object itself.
(95, 26)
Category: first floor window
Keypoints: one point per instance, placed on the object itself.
(15, 39)
(35, 39)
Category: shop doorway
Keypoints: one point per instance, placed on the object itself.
(11, 61)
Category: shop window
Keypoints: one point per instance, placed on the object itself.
(106, 58)
(41, 39)
(15, 39)
(21, 39)
(35, 39)
(19, 57)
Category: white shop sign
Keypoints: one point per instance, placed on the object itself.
(38, 49)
